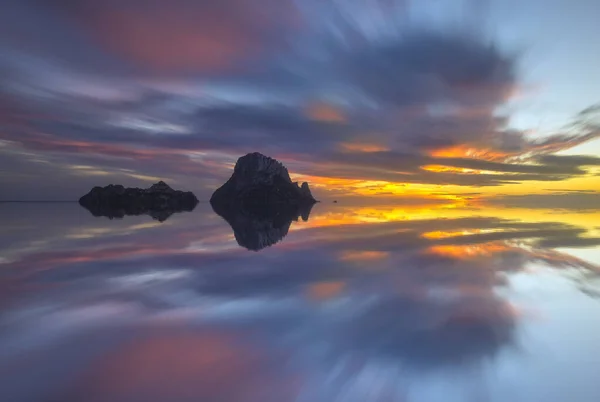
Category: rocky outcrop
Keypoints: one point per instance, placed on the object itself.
(260, 201)
(257, 226)
(258, 179)
(159, 201)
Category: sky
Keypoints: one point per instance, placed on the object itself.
(457, 101)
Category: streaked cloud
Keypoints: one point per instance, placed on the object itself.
(335, 90)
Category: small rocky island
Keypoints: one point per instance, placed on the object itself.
(258, 179)
(159, 201)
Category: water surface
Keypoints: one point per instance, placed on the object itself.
(348, 302)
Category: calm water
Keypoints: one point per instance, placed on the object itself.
(356, 303)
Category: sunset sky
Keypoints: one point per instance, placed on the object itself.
(459, 102)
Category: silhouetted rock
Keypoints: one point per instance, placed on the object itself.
(258, 179)
(257, 226)
(159, 201)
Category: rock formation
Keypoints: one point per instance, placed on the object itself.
(260, 201)
(159, 201)
(258, 179)
(256, 226)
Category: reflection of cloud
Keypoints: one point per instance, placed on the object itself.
(573, 201)
(363, 256)
(325, 290)
(433, 334)
(332, 299)
(182, 366)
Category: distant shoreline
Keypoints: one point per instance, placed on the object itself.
(55, 202)
(35, 202)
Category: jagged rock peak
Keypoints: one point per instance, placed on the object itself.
(159, 201)
(160, 186)
(260, 179)
(259, 167)
(305, 190)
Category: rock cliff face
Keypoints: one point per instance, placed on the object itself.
(257, 226)
(159, 201)
(258, 179)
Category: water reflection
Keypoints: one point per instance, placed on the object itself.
(111, 212)
(348, 307)
(257, 226)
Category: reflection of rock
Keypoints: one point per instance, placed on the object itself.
(159, 201)
(258, 179)
(257, 226)
(260, 201)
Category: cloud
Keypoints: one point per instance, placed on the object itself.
(183, 36)
(153, 37)
(425, 67)
(569, 160)
(183, 88)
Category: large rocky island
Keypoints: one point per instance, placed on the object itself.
(258, 179)
(260, 201)
(159, 201)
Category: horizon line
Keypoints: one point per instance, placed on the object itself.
(36, 201)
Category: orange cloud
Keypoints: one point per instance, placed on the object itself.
(166, 35)
(456, 233)
(362, 147)
(469, 151)
(325, 112)
(448, 169)
(463, 252)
